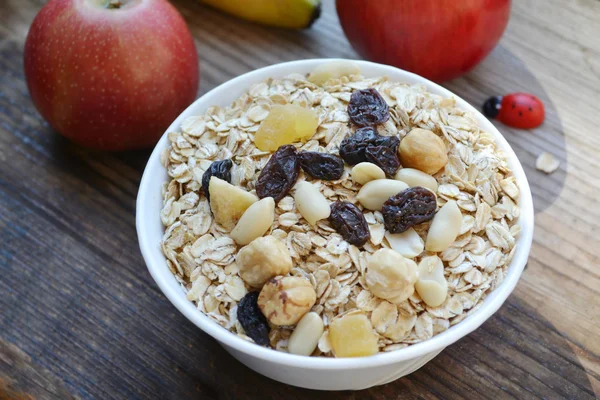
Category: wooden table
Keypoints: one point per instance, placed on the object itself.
(81, 317)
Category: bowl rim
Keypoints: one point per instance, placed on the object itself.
(490, 305)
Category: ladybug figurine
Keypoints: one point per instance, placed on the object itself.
(519, 110)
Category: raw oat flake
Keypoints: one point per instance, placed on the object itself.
(474, 188)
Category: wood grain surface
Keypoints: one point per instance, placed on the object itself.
(80, 316)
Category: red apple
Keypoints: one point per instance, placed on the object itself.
(437, 39)
(110, 74)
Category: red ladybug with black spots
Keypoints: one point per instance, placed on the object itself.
(519, 110)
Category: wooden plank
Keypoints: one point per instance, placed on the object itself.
(23, 380)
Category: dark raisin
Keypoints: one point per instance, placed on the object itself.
(408, 208)
(368, 108)
(352, 148)
(280, 174)
(220, 169)
(349, 221)
(388, 141)
(384, 157)
(322, 165)
(252, 319)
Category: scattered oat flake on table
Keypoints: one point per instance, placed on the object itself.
(547, 163)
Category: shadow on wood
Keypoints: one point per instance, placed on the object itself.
(479, 85)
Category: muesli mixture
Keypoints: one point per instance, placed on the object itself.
(337, 215)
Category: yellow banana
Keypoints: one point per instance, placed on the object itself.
(295, 14)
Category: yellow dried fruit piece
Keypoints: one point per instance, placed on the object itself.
(390, 276)
(351, 335)
(333, 69)
(284, 125)
(262, 259)
(227, 202)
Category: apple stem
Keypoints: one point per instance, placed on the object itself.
(114, 4)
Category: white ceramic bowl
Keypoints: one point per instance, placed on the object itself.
(317, 372)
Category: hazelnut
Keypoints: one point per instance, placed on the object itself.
(284, 300)
(263, 258)
(423, 150)
(390, 276)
